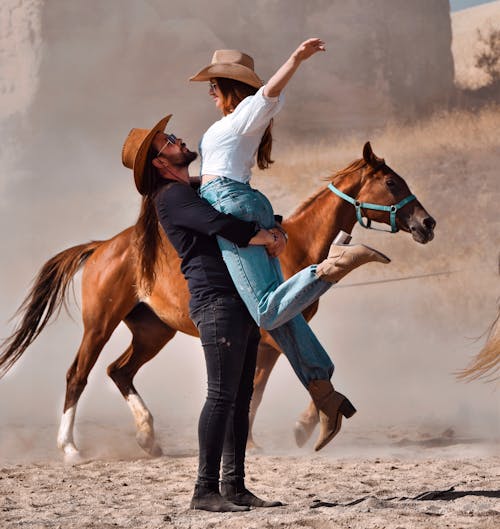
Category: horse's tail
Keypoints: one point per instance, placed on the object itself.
(487, 362)
(46, 297)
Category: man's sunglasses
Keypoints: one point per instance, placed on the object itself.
(170, 138)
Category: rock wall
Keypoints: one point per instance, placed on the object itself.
(95, 69)
(106, 63)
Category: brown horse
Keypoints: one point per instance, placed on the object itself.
(110, 293)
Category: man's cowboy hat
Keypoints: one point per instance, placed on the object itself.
(231, 64)
(136, 147)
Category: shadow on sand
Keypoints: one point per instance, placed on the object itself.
(443, 495)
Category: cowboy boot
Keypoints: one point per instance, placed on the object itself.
(304, 427)
(238, 494)
(344, 258)
(331, 405)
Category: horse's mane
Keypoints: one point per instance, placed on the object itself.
(347, 171)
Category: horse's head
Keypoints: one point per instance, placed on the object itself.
(381, 186)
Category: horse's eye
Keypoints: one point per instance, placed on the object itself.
(390, 182)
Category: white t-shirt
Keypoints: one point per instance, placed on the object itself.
(229, 146)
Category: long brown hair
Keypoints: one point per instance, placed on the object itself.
(233, 93)
(147, 231)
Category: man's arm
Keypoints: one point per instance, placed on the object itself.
(185, 208)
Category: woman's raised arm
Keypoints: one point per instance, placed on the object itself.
(280, 79)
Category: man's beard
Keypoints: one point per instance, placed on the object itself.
(183, 159)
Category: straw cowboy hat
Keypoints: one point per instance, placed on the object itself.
(231, 64)
(136, 147)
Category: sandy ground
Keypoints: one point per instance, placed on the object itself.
(417, 481)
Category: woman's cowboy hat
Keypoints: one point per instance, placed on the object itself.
(135, 150)
(231, 64)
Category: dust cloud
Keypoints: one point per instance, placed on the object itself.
(83, 74)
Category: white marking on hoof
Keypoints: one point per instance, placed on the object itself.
(145, 434)
(301, 434)
(74, 457)
(303, 430)
(65, 440)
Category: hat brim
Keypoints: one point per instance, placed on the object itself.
(142, 153)
(237, 72)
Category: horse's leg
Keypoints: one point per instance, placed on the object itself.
(107, 297)
(149, 335)
(267, 356)
(94, 339)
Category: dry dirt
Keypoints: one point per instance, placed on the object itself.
(417, 480)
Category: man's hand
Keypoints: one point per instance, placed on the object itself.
(262, 238)
(273, 239)
(279, 243)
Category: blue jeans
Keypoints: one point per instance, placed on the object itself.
(230, 339)
(276, 305)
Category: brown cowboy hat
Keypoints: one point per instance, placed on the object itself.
(136, 147)
(230, 64)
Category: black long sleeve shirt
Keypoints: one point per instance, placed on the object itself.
(191, 224)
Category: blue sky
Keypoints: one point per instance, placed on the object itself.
(456, 5)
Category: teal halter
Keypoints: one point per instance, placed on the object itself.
(366, 205)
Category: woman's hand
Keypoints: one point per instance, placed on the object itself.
(307, 48)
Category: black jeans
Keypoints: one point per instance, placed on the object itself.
(230, 338)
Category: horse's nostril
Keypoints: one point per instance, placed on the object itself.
(429, 223)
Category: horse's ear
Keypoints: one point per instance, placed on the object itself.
(367, 153)
(370, 157)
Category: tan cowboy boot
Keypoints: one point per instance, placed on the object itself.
(331, 405)
(344, 258)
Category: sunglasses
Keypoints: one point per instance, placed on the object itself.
(170, 138)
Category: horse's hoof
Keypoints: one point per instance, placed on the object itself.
(74, 458)
(302, 433)
(253, 447)
(156, 451)
(72, 455)
(149, 445)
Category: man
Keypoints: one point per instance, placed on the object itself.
(228, 333)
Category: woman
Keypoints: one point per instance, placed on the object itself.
(229, 149)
